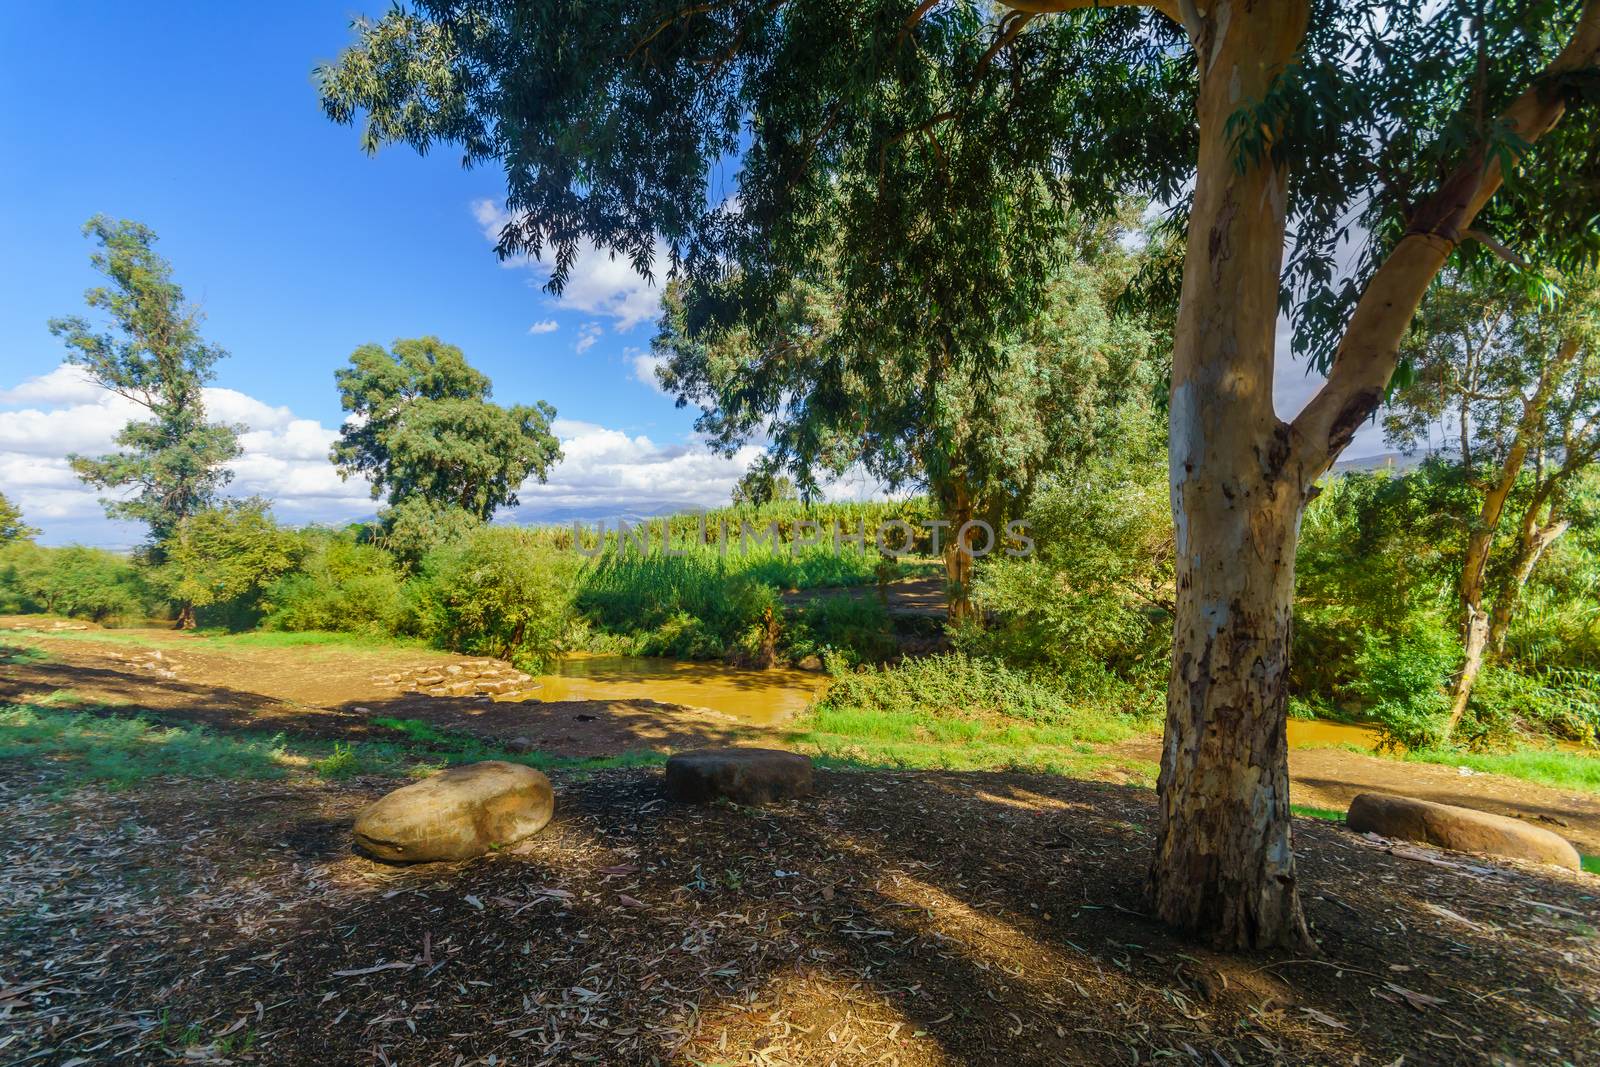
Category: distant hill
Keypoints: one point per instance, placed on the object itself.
(1386, 461)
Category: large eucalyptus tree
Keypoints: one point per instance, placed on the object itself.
(769, 134)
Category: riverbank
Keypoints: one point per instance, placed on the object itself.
(320, 695)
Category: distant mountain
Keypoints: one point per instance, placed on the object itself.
(1386, 461)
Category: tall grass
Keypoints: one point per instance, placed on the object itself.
(958, 712)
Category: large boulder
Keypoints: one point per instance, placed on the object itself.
(1462, 829)
(457, 814)
(742, 775)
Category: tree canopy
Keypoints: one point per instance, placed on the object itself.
(153, 354)
(422, 428)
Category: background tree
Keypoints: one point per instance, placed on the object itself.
(980, 435)
(174, 460)
(760, 486)
(1382, 125)
(226, 556)
(1518, 379)
(424, 432)
(12, 528)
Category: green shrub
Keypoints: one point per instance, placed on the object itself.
(85, 583)
(856, 629)
(341, 584)
(496, 592)
(1096, 597)
(342, 762)
(1559, 702)
(1403, 679)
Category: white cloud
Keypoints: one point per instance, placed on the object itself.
(606, 472)
(544, 326)
(285, 458)
(644, 364)
(599, 283)
(66, 384)
(588, 334)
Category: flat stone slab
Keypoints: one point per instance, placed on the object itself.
(742, 775)
(457, 814)
(1462, 829)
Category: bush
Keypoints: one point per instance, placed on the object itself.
(341, 584)
(1404, 679)
(496, 592)
(855, 629)
(1097, 595)
(700, 606)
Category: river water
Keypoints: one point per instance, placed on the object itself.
(762, 697)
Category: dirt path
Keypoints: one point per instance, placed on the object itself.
(330, 693)
(1331, 777)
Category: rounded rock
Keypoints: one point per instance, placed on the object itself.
(457, 814)
(1461, 829)
(742, 775)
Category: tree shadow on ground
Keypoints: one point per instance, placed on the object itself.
(893, 917)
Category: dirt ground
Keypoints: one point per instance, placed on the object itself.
(891, 918)
(914, 918)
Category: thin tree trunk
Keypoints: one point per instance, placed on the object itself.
(958, 558)
(1224, 864)
(1480, 542)
(186, 619)
(1536, 537)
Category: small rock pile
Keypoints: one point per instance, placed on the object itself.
(468, 678)
(150, 661)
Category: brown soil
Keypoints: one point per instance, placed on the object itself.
(329, 694)
(919, 597)
(892, 918)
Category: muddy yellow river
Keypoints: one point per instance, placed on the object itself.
(755, 696)
(766, 696)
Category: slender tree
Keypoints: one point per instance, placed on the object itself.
(172, 459)
(1388, 128)
(12, 528)
(1518, 380)
(424, 432)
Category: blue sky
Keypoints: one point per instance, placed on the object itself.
(201, 121)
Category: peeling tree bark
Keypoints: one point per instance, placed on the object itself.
(1224, 863)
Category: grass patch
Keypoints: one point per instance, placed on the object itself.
(1591, 864)
(960, 713)
(21, 655)
(103, 746)
(1547, 766)
(119, 751)
(1326, 814)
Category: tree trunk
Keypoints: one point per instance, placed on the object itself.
(186, 620)
(1224, 864)
(1480, 542)
(958, 557)
(1536, 537)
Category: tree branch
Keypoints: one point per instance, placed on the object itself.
(1168, 8)
(1369, 351)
